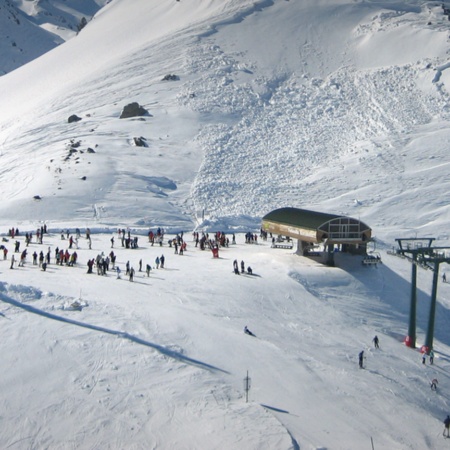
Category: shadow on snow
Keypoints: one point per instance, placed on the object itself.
(124, 335)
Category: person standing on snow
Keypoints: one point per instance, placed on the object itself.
(361, 359)
(434, 383)
(447, 427)
(162, 260)
(431, 356)
(157, 262)
(376, 342)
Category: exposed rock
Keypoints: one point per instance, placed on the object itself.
(73, 118)
(171, 77)
(133, 110)
(90, 150)
(37, 197)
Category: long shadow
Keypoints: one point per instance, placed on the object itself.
(124, 335)
(398, 299)
(275, 409)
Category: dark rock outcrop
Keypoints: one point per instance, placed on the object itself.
(73, 118)
(133, 110)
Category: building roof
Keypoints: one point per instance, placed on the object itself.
(313, 226)
(299, 217)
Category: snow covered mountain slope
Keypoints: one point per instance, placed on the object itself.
(319, 104)
(338, 106)
(30, 28)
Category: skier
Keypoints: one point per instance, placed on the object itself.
(434, 383)
(131, 274)
(247, 331)
(148, 269)
(376, 342)
(23, 256)
(361, 359)
(162, 259)
(236, 267)
(242, 267)
(447, 426)
(444, 278)
(431, 356)
(118, 272)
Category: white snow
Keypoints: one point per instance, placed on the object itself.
(339, 107)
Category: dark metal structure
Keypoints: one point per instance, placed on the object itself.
(430, 258)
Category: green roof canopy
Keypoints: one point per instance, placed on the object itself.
(313, 226)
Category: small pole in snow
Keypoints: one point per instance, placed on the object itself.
(247, 385)
(371, 440)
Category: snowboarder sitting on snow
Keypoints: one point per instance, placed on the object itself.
(434, 383)
(447, 426)
(247, 331)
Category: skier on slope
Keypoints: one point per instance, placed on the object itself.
(247, 331)
(431, 356)
(361, 359)
(434, 383)
(447, 427)
(376, 342)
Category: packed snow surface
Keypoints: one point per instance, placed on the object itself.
(334, 106)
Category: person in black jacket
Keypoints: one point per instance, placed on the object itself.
(447, 427)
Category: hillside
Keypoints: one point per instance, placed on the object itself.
(339, 107)
(333, 119)
(30, 28)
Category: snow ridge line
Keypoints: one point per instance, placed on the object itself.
(165, 351)
(238, 17)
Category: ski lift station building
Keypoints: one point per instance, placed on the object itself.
(312, 228)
